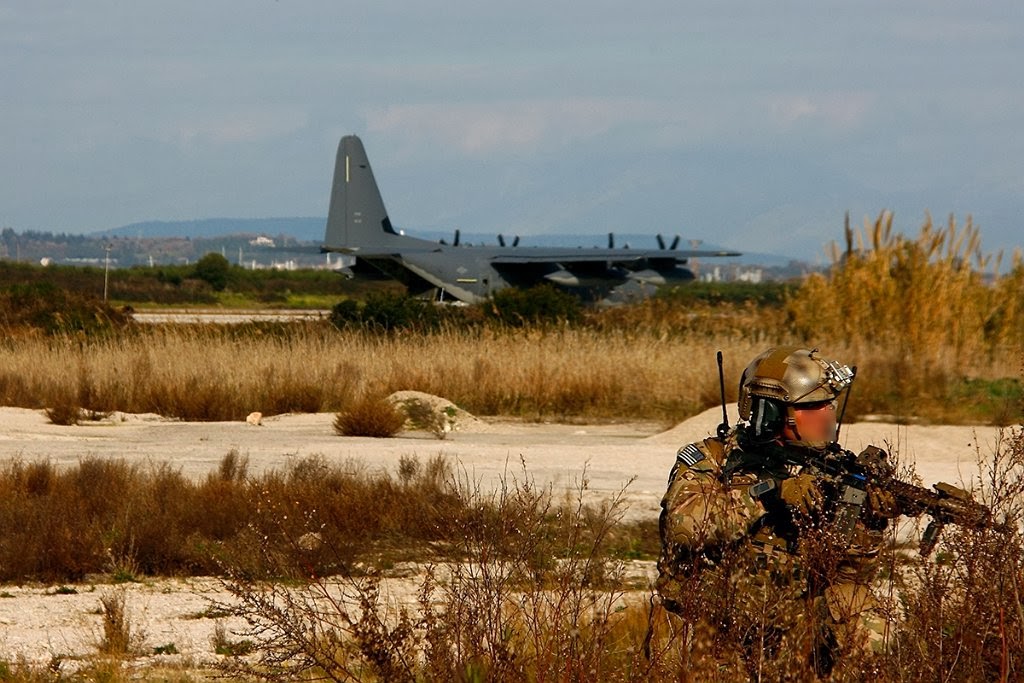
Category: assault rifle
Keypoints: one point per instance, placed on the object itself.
(850, 477)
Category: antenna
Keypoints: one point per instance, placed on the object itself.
(723, 429)
(846, 399)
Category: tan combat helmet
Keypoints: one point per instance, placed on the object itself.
(783, 377)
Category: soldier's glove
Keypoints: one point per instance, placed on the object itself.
(801, 494)
(882, 503)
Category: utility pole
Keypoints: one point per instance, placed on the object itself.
(106, 271)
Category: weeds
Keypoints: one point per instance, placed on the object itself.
(120, 637)
(223, 644)
(529, 591)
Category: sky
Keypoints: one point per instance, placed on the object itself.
(749, 125)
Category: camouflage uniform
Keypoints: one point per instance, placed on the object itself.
(736, 558)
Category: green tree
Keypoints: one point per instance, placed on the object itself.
(213, 269)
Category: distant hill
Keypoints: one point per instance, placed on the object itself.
(302, 229)
(312, 230)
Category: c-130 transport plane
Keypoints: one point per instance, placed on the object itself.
(358, 225)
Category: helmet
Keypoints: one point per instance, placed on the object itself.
(782, 378)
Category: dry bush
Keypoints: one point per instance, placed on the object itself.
(370, 416)
(121, 638)
(963, 611)
(64, 412)
(528, 592)
(127, 521)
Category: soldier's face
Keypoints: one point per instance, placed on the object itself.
(815, 423)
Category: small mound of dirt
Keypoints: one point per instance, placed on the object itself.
(697, 428)
(434, 414)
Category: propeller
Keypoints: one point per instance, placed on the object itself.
(455, 243)
(501, 240)
(611, 240)
(671, 247)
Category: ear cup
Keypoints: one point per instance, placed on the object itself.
(766, 418)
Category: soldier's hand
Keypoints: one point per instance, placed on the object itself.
(882, 503)
(801, 493)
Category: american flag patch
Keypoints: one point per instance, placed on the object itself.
(689, 455)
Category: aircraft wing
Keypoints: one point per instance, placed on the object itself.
(588, 255)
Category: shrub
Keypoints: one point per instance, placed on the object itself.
(370, 416)
(52, 310)
(539, 305)
(346, 313)
(388, 312)
(213, 269)
(64, 412)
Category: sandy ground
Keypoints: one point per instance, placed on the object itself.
(39, 624)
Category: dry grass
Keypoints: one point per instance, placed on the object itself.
(532, 593)
(528, 592)
(201, 374)
(522, 583)
(933, 334)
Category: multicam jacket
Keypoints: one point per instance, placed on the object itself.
(716, 502)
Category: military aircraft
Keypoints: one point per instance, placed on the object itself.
(358, 225)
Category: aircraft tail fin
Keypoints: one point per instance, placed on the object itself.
(356, 219)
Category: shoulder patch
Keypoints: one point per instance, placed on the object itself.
(690, 455)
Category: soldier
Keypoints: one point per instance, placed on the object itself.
(749, 553)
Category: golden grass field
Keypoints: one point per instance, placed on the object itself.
(935, 332)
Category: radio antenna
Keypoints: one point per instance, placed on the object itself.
(723, 429)
(846, 399)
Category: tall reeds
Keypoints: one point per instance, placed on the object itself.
(920, 314)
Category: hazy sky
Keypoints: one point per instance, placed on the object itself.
(753, 125)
